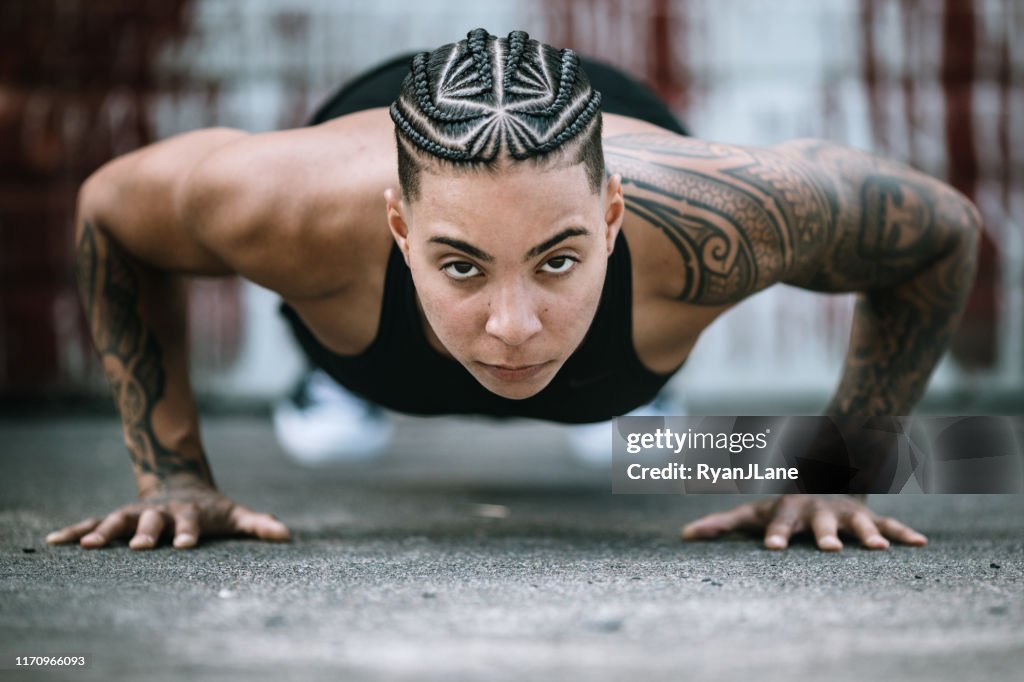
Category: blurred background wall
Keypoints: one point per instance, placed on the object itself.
(936, 83)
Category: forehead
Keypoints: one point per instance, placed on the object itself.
(516, 197)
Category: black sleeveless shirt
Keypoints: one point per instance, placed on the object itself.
(604, 378)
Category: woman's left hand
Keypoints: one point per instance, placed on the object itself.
(782, 517)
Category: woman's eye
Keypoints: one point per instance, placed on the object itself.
(461, 270)
(559, 265)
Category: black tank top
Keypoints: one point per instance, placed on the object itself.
(401, 371)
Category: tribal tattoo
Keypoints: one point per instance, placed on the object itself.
(740, 221)
(134, 361)
(823, 217)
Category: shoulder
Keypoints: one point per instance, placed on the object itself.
(293, 210)
(724, 221)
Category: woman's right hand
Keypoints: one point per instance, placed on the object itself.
(182, 515)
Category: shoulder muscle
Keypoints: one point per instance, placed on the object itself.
(739, 219)
(135, 198)
(809, 213)
(281, 209)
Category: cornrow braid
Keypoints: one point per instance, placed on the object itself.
(422, 141)
(450, 109)
(516, 45)
(566, 78)
(422, 90)
(477, 40)
(576, 127)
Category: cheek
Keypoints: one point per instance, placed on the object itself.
(567, 313)
(588, 293)
(451, 314)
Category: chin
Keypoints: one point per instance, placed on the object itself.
(515, 390)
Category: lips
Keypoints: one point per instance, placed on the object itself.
(514, 372)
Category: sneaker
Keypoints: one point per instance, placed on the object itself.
(591, 444)
(322, 423)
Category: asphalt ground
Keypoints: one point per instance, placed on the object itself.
(472, 551)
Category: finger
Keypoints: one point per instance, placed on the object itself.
(783, 523)
(110, 528)
(72, 533)
(263, 526)
(864, 528)
(826, 529)
(186, 527)
(151, 525)
(713, 525)
(894, 530)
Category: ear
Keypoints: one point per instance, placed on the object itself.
(614, 209)
(397, 210)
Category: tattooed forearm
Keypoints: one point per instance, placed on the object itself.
(909, 243)
(132, 356)
(822, 217)
(900, 332)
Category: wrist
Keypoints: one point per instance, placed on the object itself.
(149, 485)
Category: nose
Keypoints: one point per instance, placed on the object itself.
(512, 315)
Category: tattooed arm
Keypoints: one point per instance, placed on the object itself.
(821, 217)
(826, 218)
(132, 252)
(908, 243)
(136, 315)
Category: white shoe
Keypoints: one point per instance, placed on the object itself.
(322, 423)
(591, 444)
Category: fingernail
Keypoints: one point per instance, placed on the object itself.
(184, 540)
(92, 537)
(830, 541)
(141, 541)
(775, 541)
(52, 537)
(878, 541)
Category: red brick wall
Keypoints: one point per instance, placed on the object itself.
(77, 80)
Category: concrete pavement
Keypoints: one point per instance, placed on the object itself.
(474, 551)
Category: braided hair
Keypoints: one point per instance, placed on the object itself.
(485, 99)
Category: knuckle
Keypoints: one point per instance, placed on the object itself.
(818, 507)
(859, 516)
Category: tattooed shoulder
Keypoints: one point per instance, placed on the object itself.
(810, 213)
(740, 218)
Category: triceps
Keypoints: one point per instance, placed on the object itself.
(111, 288)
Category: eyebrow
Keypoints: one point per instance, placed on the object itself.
(479, 254)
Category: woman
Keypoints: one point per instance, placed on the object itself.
(527, 255)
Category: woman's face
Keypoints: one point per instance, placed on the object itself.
(508, 266)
